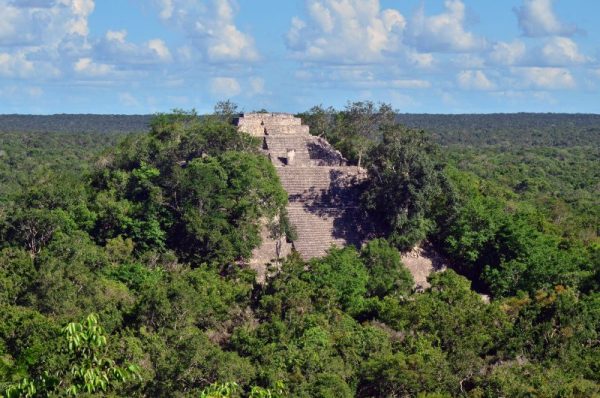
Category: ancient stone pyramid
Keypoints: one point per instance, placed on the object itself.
(321, 187)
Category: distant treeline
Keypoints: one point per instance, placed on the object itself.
(65, 123)
(526, 129)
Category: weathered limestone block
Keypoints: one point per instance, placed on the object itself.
(259, 124)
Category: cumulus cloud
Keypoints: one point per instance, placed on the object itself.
(545, 78)
(40, 37)
(211, 28)
(160, 48)
(225, 87)
(421, 60)
(555, 51)
(36, 23)
(505, 53)
(474, 80)
(81, 10)
(114, 48)
(87, 67)
(346, 31)
(444, 32)
(15, 65)
(537, 19)
(562, 51)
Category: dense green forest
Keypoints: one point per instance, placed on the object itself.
(121, 265)
(531, 129)
(74, 123)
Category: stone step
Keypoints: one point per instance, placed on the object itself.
(283, 129)
(318, 182)
(315, 232)
(299, 179)
(291, 141)
(267, 119)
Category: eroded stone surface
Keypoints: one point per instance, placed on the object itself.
(422, 261)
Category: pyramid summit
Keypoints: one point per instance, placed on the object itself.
(321, 186)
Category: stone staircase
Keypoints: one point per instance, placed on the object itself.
(322, 188)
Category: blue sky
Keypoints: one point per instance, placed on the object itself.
(423, 56)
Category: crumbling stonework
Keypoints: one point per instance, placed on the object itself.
(323, 199)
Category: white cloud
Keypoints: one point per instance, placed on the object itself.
(444, 32)
(211, 29)
(41, 37)
(160, 48)
(474, 80)
(115, 49)
(561, 51)
(545, 78)
(118, 35)
(537, 19)
(87, 67)
(81, 10)
(421, 60)
(225, 87)
(8, 24)
(15, 65)
(504, 53)
(41, 23)
(341, 31)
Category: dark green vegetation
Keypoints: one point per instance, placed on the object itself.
(522, 129)
(149, 235)
(75, 123)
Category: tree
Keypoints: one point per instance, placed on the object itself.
(387, 274)
(226, 111)
(353, 130)
(195, 186)
(343, 273)
(363, 124)
(420, 368)
(90, 371)
(321, 121)
(405, 185)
